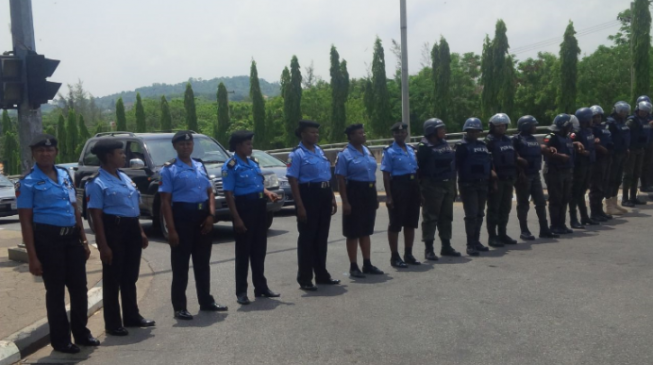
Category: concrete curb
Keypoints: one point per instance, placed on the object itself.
(30, 338)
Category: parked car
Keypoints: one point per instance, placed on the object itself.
(271, 163)
(7, 198)
(146, 155)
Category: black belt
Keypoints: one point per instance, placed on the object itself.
(407, 177)
(118, 219)
(55, 230)
(252, 196)
(366, 184)
(321, 185)
(202, 206)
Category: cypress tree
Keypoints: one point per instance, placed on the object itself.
(494, 70)
(61, 138)
(507, 92)
(101, 127)
(121, 119)
(292, 99)
(11, 153)
(442, 75)
(569, 52)
(166, 117)
(486, 77)
(435, 68)
(84, 134)
(140, 115)
(189, 105)
(641, 38)
(6, 122)
(258, 107)
(339, 94)
(223, 114)
(381, 118)
(72, 136)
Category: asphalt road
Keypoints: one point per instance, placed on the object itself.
(584, 299)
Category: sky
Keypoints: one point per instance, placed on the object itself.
(120, 45)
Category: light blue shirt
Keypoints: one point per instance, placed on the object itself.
(114, 196)
(398, 162)
(356, 166)
(187, 184)
(307, 166)
(242, 177)
(51, 202)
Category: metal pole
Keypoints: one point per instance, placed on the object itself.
(405, 108)
(29, 120)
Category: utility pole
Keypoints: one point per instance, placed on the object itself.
(405, 108)
(22, 35)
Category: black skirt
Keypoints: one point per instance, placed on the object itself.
(363, 200)
(406, 198)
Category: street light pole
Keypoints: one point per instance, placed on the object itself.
(405, 108)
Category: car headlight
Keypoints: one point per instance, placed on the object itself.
(271, 181)
(284, 183)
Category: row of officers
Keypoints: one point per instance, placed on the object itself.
(583, 152)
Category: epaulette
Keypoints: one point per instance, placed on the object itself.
(67, 172)
(94, 175)
(232, 163)
(170, 163)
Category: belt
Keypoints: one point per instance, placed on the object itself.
(118, 219)
(367, 184)
(252, 196)
(321, 185)
(191, 206)
(407, 177)
(55, 230)
(474, 181)
(506, 177)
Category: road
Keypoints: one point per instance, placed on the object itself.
(583, 299)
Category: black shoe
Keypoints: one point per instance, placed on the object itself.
(576, 225)
(89, 340)
(68, 349)
(410, 259)
(266, 294)
(481, 248)
(183, 314)
(398, 262)
(507, 240)
(372, 270)
(120, 331)
(606, 215)
(646, 189)
(356, 273)
(638, 202)
(448, 251)
(589, 222)
(307, 287)
(549, 234)
(599, 218)
(330, 281)
(472, 251)
(430, 255)
(627, 203)
(214, 307)
(527, 236)
(140, 323)
(494, 242)
(242, 299)
(566, 230)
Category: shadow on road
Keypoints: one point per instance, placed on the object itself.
(326, 291)
(202, 319)
(263, 304)
(136, 335)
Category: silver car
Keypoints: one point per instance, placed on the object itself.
(7, 198)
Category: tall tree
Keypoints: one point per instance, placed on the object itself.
(569, 52)
(140, 115)
(6, 122)
(258, 107)
(292, 100)
(72, 136)
(339, 95)
(166, 118)
(11, 153)
(487, 96)
(442, 76)
(494, 77)
(121, 118)
(380, 117)
(84, 134)
(189, 105)
(508, 87)
(641, 38)
(61, 138)
(223, 114)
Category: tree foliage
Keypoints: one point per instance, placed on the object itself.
(258, 108)
(166, 118)
(339, 95)
(223, 115)
(140, 115)
(641, 38)
(189, 106)
(61, 138)
(121, 119)
(378, 102)
(72, 137)
(441, 64)
(292, 97)
(569, 52)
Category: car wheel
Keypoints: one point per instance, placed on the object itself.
(268, 219)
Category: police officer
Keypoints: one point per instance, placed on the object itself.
(356, 174)
(529, 183)
(399, 167)
(56, 244)
(558, 171)
(113, 203)
(188, 207)
(244, 188)
(601, 170)
(437, 177)
(309, 175)
(473, 162)
(647, 163)
(620, 133)
(583, 165)
(504, 164)
(639, 137)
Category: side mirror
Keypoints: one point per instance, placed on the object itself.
(136, 163)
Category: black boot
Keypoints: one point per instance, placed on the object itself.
(545, 232)
(429, 254)
(354, 271)
(504, 238)
(396, 261)
(447, 250)
(526, 235)
(409, 258)
(589, 221)
(573, 220)
(368, 268)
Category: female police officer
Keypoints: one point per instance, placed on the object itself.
(56, 244)
(188, 207)
(309, 175)
(355, 170)
(113, 202)
(246, 195)
(399, 166)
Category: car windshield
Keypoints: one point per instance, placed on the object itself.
(206, 149)
(266, 160)
(4, 182)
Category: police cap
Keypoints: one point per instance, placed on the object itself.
(182, 136)
(44, 140)
(106, 145)
(303, 124)
(352, 128)
(237, 137)
(399, 126)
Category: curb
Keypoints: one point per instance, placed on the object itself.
(32, 337)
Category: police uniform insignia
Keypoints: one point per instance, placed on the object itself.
(187, 137)
(225, 174)
(47, 142)
(41, 182)
(289, 162)
(231, 163)
(547, 138)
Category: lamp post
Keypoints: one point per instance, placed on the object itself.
(405, 108)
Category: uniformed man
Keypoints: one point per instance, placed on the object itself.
(583, 165)
(529, 184)
(558, 172)
(399, 167)
(309, 175)
(601, 172)
(356, 174)
(113, 203)
(246, 195)
(473, 162)
(639, 126)
(504, 164)
(621, 146)
(56, 244)
(437, 176)
(188, 207)
(647, 163)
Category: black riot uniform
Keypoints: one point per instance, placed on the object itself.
(600, 175)
(558, 172)
(583, 166)
(620, 133)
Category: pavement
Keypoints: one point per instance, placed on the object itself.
(581, 299)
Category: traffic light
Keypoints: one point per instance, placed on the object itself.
(11, 82)
(39, 90)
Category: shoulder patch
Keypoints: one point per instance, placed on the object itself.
(170, 163)
(231, 163)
